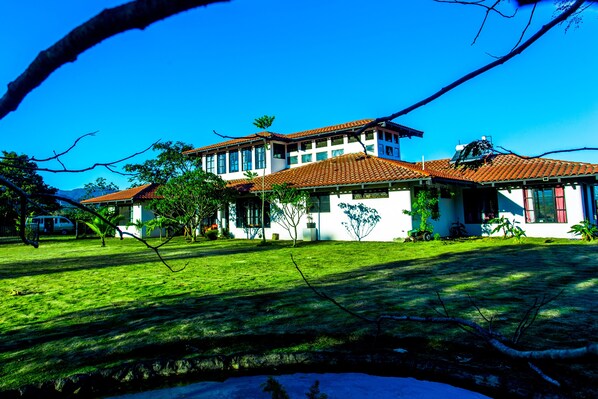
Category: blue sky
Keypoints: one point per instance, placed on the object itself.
(309, 63)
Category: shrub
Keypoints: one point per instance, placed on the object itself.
(212, 234)
(587, 230)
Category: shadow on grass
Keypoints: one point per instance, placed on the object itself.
(35, 267)
(503, 282)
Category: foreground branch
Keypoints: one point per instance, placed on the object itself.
(495, 340)
(136, 14)
(572, 9)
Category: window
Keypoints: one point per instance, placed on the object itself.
(233, 161)
(369, 194)
(369, 135)
(294, 160)
(396, 138)
(352, 139)
(389, 151)
(397, 153)
(319, 203)
(380, 149)
(545, 205)
(336, 153)
(320, 156)
(260, 157)
(369, 148)
(278, 151)
(126, 215)
(249, 213)
(210, 163)
(321, 143)
(337, 140)
(480, 205)
(388, 137)
(246, 155)
(306, 145)
(380, 135)
(292, 148)
(221, 167)
(305, 158)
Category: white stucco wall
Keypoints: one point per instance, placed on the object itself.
(393, 223)
(140, 212)
(510, 205)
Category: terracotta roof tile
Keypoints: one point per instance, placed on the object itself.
(329, 129)
(145, 192)
(294, 136)
(512, 168)
(257, 137)
(347, 169)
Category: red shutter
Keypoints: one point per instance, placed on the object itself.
(561, 211)
(528, 205)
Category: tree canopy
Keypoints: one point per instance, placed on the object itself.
(22, 172)
(170, 163)
(190, 198)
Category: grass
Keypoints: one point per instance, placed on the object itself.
(71, 306)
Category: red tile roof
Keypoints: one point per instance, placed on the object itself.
(329, 129)
(503, 168)
(257, 137)
(347, 169)
(145, 192)
(298, 135)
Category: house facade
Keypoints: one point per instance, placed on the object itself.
(335, 166)
(542, 196)
(132, 206)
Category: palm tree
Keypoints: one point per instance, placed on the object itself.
(99, 225)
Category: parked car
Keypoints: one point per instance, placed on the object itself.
(52, 224)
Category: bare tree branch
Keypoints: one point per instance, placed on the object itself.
(570, 10)
(489, 9)
(137, 14)
(492, 338)
(56, 157)
(529, 22)
(505, 151)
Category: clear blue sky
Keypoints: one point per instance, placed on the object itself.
(310, 63)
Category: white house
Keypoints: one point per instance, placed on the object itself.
(131, 205)
(544, 196)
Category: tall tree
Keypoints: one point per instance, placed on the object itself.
(264, 123)
(170, 163)
(190, 198)
(22, 172)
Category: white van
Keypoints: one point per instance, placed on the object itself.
(52, 224)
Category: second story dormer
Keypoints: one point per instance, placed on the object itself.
(267, 152)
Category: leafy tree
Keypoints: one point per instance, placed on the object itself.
(170, 163)
(287, 206)
(99, 187)
(101, 227)
(362, 219)
(425, 207)
(22, 172)
(190, 198)
(264, 123)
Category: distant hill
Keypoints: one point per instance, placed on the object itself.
(77, 194)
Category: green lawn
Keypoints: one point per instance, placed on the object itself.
(72, 306)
